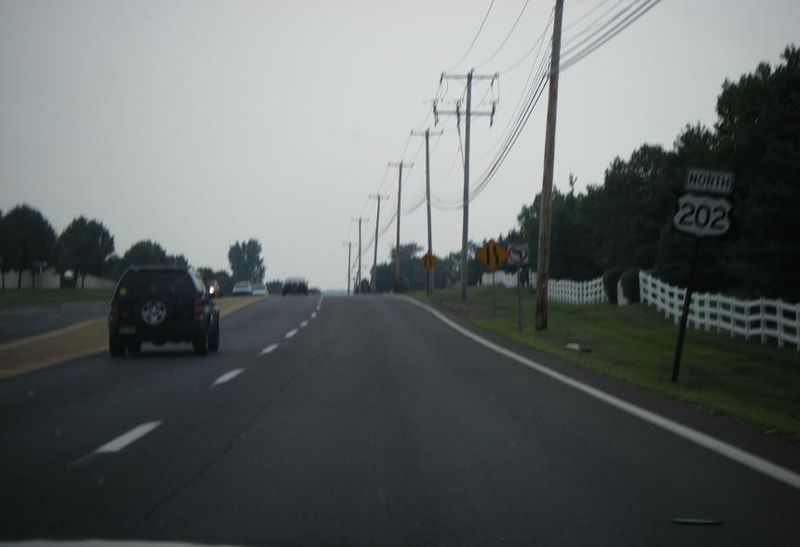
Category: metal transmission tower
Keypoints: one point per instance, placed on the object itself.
(349, 245)
(378, 197)
(357, 288)
(469, 77)
(543, 261)
(400, 166)
(427, 134)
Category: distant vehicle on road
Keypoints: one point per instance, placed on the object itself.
(242, 287)
(259, 290)
(161, 304)
(295, 285)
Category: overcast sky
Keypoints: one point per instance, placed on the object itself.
(197, 123)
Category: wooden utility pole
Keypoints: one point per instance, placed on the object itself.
(374, 283)
(349, 267)
(357, 288)
(400, 166)
(543, 262)
(427, 135)
(469, 77)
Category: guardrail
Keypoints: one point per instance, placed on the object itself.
(762, 318)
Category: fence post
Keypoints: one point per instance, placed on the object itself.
(761, 311)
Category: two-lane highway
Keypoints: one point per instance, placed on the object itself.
(362, 420)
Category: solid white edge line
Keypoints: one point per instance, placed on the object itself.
(127, 438)
(227, 377)
(269, 349)
(722, 448)
(291, 333)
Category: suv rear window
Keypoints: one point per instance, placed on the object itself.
(157, 282)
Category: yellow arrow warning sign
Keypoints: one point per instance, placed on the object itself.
(492, 255)
(428, 261)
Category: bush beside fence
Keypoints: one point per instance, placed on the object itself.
(762, 318)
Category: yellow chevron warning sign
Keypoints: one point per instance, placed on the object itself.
(428, 261)
(491, 255)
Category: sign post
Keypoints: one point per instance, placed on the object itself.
(492, 255)
(519, 255)
(428, 262)
(704, 211)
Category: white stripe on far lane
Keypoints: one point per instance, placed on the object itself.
(269, 349)
(313, 314)
(291, 333)
(127, 438)
(227, 377)
(782, 474)
(304, 324)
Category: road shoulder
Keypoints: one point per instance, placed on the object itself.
(728, 429)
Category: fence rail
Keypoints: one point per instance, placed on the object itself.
(762, 318)
(577, 292)
(565, 291)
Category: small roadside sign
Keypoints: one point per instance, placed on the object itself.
(491, 255)
(706, 181)
(703, 211)
(519, 254)
(702, 215)
(428, 261)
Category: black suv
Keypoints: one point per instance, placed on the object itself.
(161, 304)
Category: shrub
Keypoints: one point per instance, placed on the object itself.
(610, 278)
(630, 285)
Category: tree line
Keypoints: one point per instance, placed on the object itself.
(86, 247)
(626, 222)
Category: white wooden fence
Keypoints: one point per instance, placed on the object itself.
(577, 292)
(558, 290)
(761, 318)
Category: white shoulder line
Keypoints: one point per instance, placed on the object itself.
(722, 448)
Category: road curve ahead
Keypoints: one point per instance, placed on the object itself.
(359, 420)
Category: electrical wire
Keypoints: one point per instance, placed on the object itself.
(632, 18)
(475, 39)
(510, 32)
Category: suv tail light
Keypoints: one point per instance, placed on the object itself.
(198, 307)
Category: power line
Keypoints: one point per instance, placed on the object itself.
(510, 32)
(475, 39)
(632, 18)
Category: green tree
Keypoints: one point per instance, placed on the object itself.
(758, 129)
(246, 262)
(573, 240)
(27, 238)
(83, 246)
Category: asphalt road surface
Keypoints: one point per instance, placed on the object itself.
(361, 420)
(21, 322)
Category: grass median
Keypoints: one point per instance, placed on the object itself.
(635, 344)
(75, 341)
(51, 297)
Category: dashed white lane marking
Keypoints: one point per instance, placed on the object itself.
(127, 438)
(304, 324)
(291, 333)
(269, 349)
(782, 474)
(313, 314)
(227, 377)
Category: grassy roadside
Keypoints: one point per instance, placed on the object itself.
(75, 341)
(758, 383)
(51, 297)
